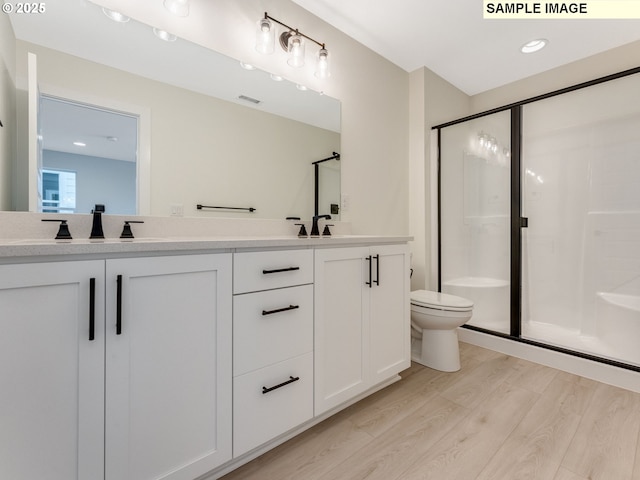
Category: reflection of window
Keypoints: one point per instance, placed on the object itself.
(58, 191)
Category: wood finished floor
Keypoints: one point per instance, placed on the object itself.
(498, 418)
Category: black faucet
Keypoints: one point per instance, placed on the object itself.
(315, 232)
(96, 228)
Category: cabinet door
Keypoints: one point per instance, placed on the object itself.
(341, 325)
(390, 312)
(168, 366)
(51, 372)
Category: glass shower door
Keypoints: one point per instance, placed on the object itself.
(581, 194)
(475, 168)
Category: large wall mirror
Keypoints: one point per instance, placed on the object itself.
(204, 130)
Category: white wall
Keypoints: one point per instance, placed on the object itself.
(433, 101)
(7, 111)
(98, 180)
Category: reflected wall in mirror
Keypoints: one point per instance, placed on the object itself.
(201, 142)
(89, 157)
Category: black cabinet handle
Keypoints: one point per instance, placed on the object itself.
(368, 259)
(118, 304)
(377, 280)
(279, 270)
(271, 389)
(284, 309)
(92, 309)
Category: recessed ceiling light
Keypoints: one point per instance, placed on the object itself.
(276, 78)
(115, 16)
(80, 144)
(534, 45)
(164, 35)
(301, 87)
(247, 66)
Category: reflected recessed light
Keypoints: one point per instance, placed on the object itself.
(115, 16)
(164, 35)
(247, 66)
(177, 7)
(534, 45)
(80, 144)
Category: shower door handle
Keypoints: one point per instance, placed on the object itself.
(524, 222)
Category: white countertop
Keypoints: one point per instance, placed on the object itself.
(12, 248)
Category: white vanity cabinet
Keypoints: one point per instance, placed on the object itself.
(272, 345)
(362, 320)
(117, 369)
(168, 366)
(52, 370)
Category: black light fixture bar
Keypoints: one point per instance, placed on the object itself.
(291, 29)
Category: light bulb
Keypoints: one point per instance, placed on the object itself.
(322, 65)
(296, 51)
(265, 37)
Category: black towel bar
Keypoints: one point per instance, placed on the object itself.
(249, 209)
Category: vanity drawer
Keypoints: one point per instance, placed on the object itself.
(255, 271)
(271, 326)
(288, 402)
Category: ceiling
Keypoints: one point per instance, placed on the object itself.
(451, 38)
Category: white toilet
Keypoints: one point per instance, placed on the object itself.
(434, 319)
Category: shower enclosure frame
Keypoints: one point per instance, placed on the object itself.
(517, 221)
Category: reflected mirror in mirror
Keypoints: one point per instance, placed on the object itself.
(211, 133)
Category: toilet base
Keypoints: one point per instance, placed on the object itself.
(438, 349)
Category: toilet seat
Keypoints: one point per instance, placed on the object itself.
(440, 301)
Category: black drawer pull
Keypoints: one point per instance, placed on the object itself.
(377, 280)
(118, 304)
(280, 270)
(270, 389)
(92, 309)
(284, 309)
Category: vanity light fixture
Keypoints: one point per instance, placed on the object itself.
(179, 8)
(115, 16)
(291, 41)
(534, 45)
(80, 144)
(164, 35)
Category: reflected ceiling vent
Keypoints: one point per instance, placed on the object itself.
(249, 99)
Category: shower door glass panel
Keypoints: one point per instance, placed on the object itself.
(475, 177)
(581, 194)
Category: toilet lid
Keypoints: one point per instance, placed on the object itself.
(441, 301)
